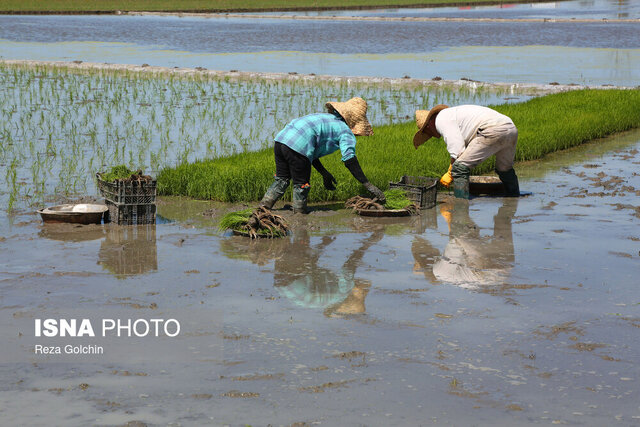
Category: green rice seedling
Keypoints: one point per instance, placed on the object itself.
(235, 220)
(117, 172)
(396, 199)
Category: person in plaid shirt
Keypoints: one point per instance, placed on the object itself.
(304, 140)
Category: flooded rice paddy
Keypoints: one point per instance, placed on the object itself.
(493, 312)
(593, 53)
(574, 9)
(350, 321)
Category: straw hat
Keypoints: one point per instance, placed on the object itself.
(354, 112)
(422, 119)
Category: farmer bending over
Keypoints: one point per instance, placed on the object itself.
(304, 140)
(472, 134)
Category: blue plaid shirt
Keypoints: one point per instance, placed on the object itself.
(317, 135)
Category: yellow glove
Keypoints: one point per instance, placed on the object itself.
(447, 179)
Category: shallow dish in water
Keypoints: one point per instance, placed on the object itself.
(77, 214)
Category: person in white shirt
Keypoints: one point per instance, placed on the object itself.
(472, 133)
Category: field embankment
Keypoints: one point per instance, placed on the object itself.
(546, 124)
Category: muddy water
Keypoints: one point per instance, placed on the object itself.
(538, 52)
(497, 311)
(577, 9)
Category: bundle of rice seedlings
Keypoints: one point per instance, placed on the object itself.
(362, 203)
(122, 173)
(260, 222)
(396, 199)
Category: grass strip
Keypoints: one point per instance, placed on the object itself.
(545, 125)
(109, 6)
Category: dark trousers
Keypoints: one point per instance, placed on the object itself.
(291, 165)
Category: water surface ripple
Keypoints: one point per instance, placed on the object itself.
(221, 35)
(583, 53)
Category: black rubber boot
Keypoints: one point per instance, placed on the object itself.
(274, 192)
(300, 194)
(460, 174)
(510, 181)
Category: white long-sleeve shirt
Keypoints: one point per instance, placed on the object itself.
(459, 125)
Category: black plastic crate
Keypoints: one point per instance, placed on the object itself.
(129, 203)
(127, 193)
(131, 214)
(419, 189)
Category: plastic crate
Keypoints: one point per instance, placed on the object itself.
(419, 189)
(127, 193)
(131, 214)
(129, 203)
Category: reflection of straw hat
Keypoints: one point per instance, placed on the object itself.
(422, 119)
(354, 303)
(354, 112)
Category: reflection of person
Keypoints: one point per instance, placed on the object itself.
(304, 140)
(470, 259)
(258, 251)
(299, 277)
(472, 133)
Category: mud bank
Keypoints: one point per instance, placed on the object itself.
(522, 88)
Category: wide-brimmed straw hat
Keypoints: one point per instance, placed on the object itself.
(422, 119)
(354, 113)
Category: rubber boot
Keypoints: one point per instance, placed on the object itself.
(510, 181)
(460, 174)
(300, 194)
(274, 192)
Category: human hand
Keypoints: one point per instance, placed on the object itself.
(447, 179)
(329, 181)
(376, 192)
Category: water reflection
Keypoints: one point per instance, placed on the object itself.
(470, 259)
(72, 232)
(129, 250)
(301, 277)
(302, 270)
(260, 252)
